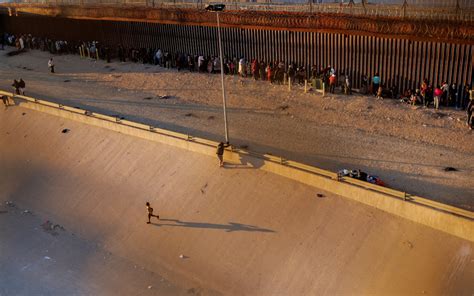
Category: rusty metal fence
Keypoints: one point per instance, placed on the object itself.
(400, 62)
(419, 9)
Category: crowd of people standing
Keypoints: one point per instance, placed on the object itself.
(277, 72)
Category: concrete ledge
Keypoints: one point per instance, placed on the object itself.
(445, 218)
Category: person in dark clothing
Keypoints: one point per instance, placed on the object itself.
(469, 111)
(220, 152)
(5, 101)
(16, 86)
(150, 213)
(21, 86)
(453, 94)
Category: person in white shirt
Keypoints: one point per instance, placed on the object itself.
(51, 65)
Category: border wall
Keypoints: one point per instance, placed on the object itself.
(400, 62)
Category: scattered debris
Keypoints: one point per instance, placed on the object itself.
(10, 204)
(211, 118)
(450, 169)
(203, 189)
(283, 107)
(320, 195)
(23, 113)
(27, 212)
(408, 244)
(67, 80)
(15, 52)
(424, 125)
(149, 287)
(65, 131)
(369, 107)
(190, 115)
(244, 146)
(47, 258)
(51, 228)
(159, 97)
(439, 115)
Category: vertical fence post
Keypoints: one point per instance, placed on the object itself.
(305, 86)
(289, 83)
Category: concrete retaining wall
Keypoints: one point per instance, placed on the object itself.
(445, 218)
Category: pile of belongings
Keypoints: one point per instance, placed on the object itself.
(359, 175)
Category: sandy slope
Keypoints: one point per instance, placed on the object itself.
(242, 231)
(407, 148)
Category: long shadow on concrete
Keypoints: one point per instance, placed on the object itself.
(232, 226)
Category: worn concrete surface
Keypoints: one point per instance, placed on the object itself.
(240, 230)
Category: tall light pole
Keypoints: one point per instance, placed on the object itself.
(217, 8)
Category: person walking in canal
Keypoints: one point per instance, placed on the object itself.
(150, 213)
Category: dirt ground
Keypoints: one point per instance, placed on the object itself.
(240, 230)
(40, 258)
(407, 147)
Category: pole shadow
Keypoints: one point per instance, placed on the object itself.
(230, 227)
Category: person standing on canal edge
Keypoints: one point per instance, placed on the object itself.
(150, 213)
(220, 152)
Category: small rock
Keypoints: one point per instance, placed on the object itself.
(149, 287)
(47, 258)
(320, 195)
(181, 256)
(424, 125)
(65, 131)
